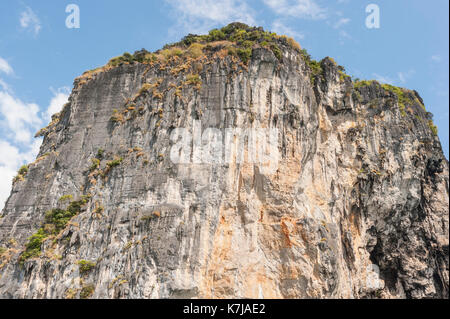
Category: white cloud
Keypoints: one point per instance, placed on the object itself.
(404, 76)
(383, 79)
(6, 176)
(60, 97)
(19, 118)
(13, 158)
(341, 22)
(297, 8)
(29, 20)
(4, 86)
(199, 16)
(280, 28)
(344, 35)
(436, 58)
(18, 123)
(5, 67)
(10, 161)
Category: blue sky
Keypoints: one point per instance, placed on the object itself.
(40, 56)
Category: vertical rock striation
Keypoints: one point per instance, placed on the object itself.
(356, 208)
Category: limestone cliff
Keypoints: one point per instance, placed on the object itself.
(360, 184)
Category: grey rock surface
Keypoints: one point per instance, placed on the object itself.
(357, 207)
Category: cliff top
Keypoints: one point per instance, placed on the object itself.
(238, 40)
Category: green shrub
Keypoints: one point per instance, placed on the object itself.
(243, 36)
(85, 266)
(244, 54)
(99, 210)
(95, 164)
(33, 247)
(276, 50)
(314, 66)
(65, 198)
(238, 35)
(55, 221)
(145, 88)
(232, 51)
(100, 153)
(357, 96)
(71, 293)
(114, 163)
(247, 44)
(433, 127)
(216, 35)
(127, 57)
(306, 56)
(190, 39)
(115, 61)
(294, 44)
(195, 50)
(403, 98)
(358, 83)
(342, 75)
(117, 117)
(59, 219)
(23, 170)
(171, 52)
(193, 79)
(87, 291)
(316, 70)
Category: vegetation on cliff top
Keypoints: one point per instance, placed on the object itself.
(238, 40)
(405, 98)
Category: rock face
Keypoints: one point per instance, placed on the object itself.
(357, 206)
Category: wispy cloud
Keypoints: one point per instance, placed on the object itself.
(279, 27)
(341, 22)
(436, 58)
(4, 86)
(199, 16)
(404, 76)
(5, 67)
(297, 8)
(383, 79)
(30, 21)
(60, 97)
(18, 119)
(344, 35)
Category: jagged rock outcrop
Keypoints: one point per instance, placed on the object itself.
(361, 184)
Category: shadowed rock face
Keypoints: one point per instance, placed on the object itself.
(359, 187)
